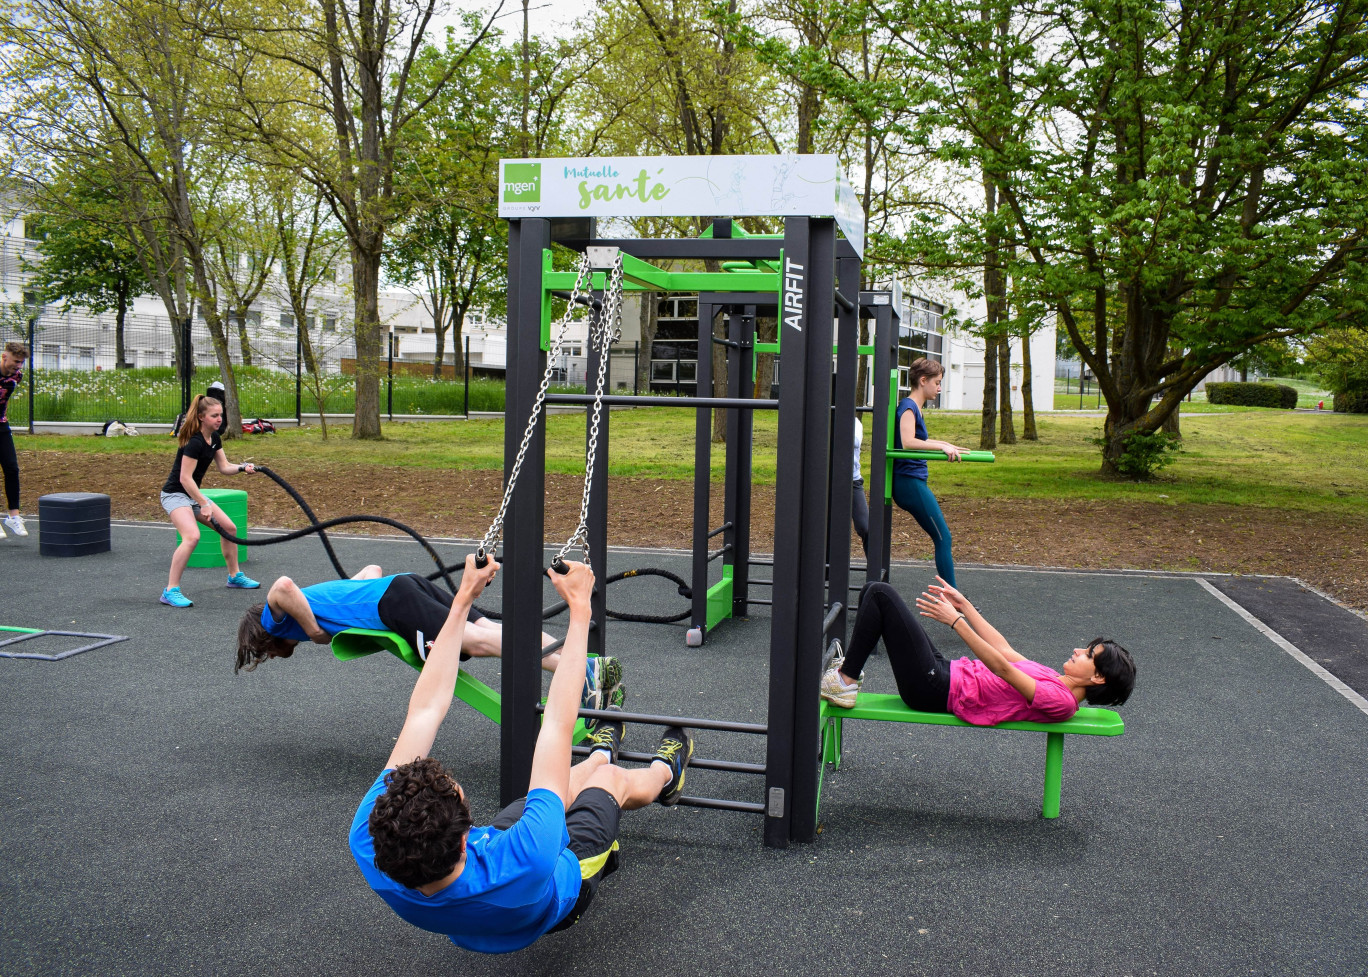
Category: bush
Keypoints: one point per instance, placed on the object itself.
(1145, 454)
(1352, 403)
(1252, 394)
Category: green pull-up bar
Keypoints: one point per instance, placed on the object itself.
(984, 456)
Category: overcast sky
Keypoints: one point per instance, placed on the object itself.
(543, 16)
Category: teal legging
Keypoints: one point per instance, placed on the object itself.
(913, 495)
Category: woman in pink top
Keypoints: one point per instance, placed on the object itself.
(998, 685)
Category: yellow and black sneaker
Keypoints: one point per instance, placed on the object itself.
(676, 750)
(608, 735)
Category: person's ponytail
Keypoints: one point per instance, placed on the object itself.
(198, 407)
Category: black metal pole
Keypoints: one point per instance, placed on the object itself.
(598, 500)
(636, 359)
(524, 526)
(389, 394)
(299, 374)
(843, 441)
(702, 475)
(467, 378)
(880, 510)
(736, 506)
(33, 328)
(807, 649)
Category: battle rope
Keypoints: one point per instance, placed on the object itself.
(443, 570)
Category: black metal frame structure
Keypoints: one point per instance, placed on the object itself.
(817, 302)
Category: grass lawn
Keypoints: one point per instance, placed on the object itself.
(1246, 456)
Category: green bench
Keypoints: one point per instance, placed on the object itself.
(360, 642)
(890, 708)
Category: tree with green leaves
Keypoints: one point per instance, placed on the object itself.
(87, 258)
(1197, 191)
(330, 98)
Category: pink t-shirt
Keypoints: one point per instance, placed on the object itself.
(978, 696)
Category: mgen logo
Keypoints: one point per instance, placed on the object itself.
(522, 183)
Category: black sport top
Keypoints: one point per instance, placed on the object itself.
(203, 452)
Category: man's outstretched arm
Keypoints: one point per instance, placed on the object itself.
(551, 757)
(285, 598)
(436, 683)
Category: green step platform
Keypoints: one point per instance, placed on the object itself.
(208, 552)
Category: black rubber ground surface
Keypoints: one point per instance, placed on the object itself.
(162, 816)
(1329, 634)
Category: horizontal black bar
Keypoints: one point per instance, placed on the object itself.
(630, 400)
(760, 561)
(730, 766)
(716, 553)
(760, 729)
(559, 642)
(747, 807)
(730, 343)
(719, 530)
(831, 616)
(759, 600)
(761, 583)
(843, 302)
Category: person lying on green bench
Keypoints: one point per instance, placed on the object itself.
(536, 868)
(408, 604)
(997, 685)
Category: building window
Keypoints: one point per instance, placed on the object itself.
(330, 323)
(50, 357)
(83, 357)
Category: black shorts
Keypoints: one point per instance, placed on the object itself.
(415, 608)
(592, 823)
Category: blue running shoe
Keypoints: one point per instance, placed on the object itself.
(174, 597)
(240, 581)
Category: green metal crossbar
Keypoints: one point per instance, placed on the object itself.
(359, 642)
(890, 708)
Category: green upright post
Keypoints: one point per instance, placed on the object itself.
(1054, 773)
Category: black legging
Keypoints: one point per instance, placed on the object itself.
(922, 674)
(9, 461)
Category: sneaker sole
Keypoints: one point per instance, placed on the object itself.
(238, 586)
(845, 702)
(171, 603)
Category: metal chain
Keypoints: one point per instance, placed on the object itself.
(609, 331)
(583, 284)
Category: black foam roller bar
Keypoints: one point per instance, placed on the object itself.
(73, 524)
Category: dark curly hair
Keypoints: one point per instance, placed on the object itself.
(1114, 664)
(254, 642)
(419, 823)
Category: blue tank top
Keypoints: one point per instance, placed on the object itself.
(909, 467)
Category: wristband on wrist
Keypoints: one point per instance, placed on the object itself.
(956, 621)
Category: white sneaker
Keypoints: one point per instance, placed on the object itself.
(833, 687)
(16, 525)
(2, 534)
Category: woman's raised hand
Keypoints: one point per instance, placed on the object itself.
(933, 607)
(945, 592)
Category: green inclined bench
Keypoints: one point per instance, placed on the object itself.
(890, 708)
(360, 642)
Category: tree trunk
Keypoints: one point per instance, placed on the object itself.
(650, 322)
(244, 342)
(1171, 425)
(120, 315)
(370, 341)
(766, 331)
(862, 368)
(1028, 418)
(439, 347)
(988, 423)
(1006, 423)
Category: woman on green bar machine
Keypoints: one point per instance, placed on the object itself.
(910, 490)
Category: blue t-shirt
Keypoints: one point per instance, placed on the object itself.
(337, 605)
(912, 467)
(516, 884)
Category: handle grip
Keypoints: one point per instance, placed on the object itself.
(481, 559)
(560, 566)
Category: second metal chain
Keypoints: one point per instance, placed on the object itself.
(607, 331)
